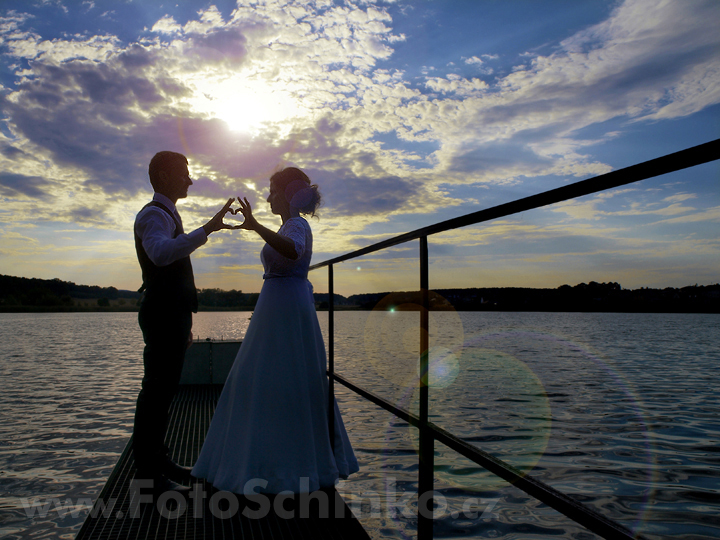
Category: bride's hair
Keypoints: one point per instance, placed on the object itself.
(299, 191)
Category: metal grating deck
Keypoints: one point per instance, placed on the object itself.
(190, 416)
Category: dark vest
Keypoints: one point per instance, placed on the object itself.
(171, 286)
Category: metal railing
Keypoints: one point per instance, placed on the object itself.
(429, 432)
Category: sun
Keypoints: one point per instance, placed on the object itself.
(246, 104)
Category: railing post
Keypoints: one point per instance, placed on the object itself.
(427, 446)
(331, 358)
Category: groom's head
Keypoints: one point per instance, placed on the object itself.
(169, 175)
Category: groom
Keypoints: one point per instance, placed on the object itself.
(166, 309)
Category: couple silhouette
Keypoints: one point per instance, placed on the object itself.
(269, 431)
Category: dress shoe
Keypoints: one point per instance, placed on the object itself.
(176, 472)
(157, 483)
(161, 484)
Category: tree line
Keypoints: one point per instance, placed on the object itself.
(30, 294)
(589, 297)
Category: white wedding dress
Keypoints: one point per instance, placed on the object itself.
(270, 431)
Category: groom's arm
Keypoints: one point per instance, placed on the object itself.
(155, 228)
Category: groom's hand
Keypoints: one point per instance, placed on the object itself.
(216, 223)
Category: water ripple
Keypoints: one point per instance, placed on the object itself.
(617, 410)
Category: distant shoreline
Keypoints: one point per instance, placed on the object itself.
(30, 295)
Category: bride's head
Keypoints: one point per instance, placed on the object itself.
(299, 193)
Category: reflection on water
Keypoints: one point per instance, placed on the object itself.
(617, 410)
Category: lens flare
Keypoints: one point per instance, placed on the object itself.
(443, 367)
(499, 402)
(499, 389)
(504, 410)
(392, 336)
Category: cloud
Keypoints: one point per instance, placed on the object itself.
(479, 63)
(632, 63)
(709, 214)
(649, 202)
(502, 155)
(102, 118)
(11, 152)
(102, 109)
(224, 47)
(454, 84)
(348, 194)
(166, 25)
(630, 66)
(13, 185)
(680, 197)
(10, 26)
(98, 109)
(205, 187)
(210, 19)
(29, 45)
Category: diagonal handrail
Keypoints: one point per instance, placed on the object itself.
(429, 432)
(561, 502)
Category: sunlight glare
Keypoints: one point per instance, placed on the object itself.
(245, 104)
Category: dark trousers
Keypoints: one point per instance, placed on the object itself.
(165, 332)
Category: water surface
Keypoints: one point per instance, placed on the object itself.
(619, 410)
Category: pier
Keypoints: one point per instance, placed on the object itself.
(126, 511)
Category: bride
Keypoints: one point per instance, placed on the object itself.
(270, 430)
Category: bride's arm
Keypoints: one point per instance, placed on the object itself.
(284, 246)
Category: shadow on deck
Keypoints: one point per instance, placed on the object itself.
(119, 513)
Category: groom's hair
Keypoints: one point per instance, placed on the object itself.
(163, 161)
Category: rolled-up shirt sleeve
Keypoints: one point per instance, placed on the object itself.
(155, 227)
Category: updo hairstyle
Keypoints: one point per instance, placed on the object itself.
(300, 193)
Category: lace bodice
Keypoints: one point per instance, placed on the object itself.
(275, 265)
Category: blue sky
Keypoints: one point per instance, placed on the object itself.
(404, 112)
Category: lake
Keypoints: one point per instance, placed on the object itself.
(617, 410)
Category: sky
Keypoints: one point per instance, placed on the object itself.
(404, 112)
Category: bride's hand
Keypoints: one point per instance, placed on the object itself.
(250, 223)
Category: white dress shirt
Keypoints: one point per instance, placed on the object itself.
(156, 228)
